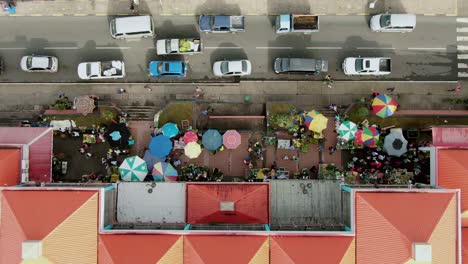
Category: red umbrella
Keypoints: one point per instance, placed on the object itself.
(84, 105)
(190, 136)
(231, 139)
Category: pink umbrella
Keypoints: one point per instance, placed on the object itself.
(231, 139)
(190, 136)
(84, 104)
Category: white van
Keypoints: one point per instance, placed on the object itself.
(393, 23)
(132, 27)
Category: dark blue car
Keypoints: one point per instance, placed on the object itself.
(174, 69)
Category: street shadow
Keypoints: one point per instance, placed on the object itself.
(169, 30)
(292, 7)
(225, 53)
(217, 7)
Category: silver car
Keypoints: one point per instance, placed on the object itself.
(232, 68)
(39, 63)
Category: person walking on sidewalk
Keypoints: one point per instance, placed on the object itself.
(457, 89)
(390, 89)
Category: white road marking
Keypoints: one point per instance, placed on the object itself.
(273, 47)
(222, 47)
(65, 48)
(463, 74)
(324, 48)
(462, 20)
(462, 56)
(427, 48)
(462, 47)
(462, 66)
(113, 47)
(17, 48)
(362, 48)
(462, 38)
(463, 29)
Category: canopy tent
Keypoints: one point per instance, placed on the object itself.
(231, 139)
(212, 139)
(192, 150)
(190, 136)
(347, 130)
(164, 171)
(133, 169)
(160, 146)
(395, 144)
(384, 106)
(118, 135)
(315, 121)
(170, 130)
(84, 104)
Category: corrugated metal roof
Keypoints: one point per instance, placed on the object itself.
(242, 203)
(312, 249)
(165, 203)
(144, 248)
(10, 160)
(388, 223)
(465, 245)
(213, 249)
(452, 173)
(40, 148)
(450, 136)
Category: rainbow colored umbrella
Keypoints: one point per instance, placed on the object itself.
(190, 136)
(164, 171)
(370, 136)
(347, 129)
(384, 106)
(231, 139)
(315, 121)
(170, 130)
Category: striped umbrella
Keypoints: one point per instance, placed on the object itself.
(163, 171)
(370, 136)
(192, 150)
(170, 130)
(384, 106)
(84, 104)
(231, 139)
(347, 129)
(133, 169)
(315, 121)
(190, 136)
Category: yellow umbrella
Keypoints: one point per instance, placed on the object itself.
(192, 150)
(315, 121)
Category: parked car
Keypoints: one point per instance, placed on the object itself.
(300, 65)
(174, 69)
(39, 63)
(221, 24)
(367, 66)
(232, 68)
(296, 23)
(101, 70)
(393, 23)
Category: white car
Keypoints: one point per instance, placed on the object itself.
(232, 68)
(38, 63)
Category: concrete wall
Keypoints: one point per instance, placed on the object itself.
(346, 208)
(109, 209)
(305, 202)
(142, 202)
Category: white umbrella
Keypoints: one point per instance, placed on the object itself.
(133, 169)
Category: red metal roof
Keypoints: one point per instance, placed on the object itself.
(215, 249)
(31, 215)
(133, 248)
(39, 140)
(388, 223)
(465, 245)
(452, 173)
(10, 160)
(311, 249)
(450, 136)
(250, 202)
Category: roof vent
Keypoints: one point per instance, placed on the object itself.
(226, 206)
(422, 252)
(31, 249)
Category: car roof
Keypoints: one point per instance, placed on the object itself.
(129, 24)
(222, 21)
(403, 20)
(235, 66)
(40, 62)
(300, 64)
(174, 66)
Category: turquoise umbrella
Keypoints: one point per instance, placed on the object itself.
(212, 139)
(170, 130)
(133, 169)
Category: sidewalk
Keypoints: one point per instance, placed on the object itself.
(245, 7)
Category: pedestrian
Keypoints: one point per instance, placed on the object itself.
(331, 150)
(204, 112)
(88, 155)
(375, 94)
(457, 89)
(147, 87)
(328, 77)
(198, 92)
(121, 91)
(330, 84)
(390, 89)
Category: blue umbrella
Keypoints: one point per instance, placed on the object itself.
(212, 139)
(160, 146)
(150, 159)
(170, 130)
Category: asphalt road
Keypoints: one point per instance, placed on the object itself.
(428, 53)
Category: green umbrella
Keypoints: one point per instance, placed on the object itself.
(133, 169)
(347, 129)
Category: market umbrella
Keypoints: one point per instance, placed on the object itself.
(160, 146)
(212, 139)
(370, 136)
(190, 136)
(170, 130)
(164, 171)
(84, 104)
(150, 159)
(395, 144)
(383, 105)
(133, 169)
(347, 129)
(315, 121)
(118, 135)
(192, 150)
(231, 139)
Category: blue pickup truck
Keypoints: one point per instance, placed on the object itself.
(172, 69)
(221, 24)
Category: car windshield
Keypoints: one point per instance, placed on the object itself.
(358, 65)
(88, 69)
(50, 64)
(113, 27)
(29, 63)
(385, 21)
(244, 66)
(224, 67)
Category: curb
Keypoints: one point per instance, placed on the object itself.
(167, 14)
